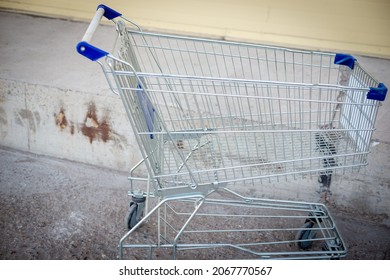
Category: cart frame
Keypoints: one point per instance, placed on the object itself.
(209, 115)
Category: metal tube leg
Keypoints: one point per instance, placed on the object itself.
(202, 200)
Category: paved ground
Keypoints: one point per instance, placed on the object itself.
(57, 209)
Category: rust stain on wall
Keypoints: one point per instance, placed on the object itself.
(61, 120)
(91, 127)
(95, 129)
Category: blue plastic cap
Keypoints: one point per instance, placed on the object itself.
(108, 12)
(87, 50)
(378, 93)
(345, 59)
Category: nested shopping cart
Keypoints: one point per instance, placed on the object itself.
(216, 121)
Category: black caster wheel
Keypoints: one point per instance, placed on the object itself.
(304, 235)
(134, 214)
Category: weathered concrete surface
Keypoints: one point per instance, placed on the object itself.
(77, 125)
(67, 210)
(55, 102)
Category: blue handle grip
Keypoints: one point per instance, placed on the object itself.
(84, 47)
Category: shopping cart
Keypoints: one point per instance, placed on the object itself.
(213, 118)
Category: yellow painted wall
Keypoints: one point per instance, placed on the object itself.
(351, 26)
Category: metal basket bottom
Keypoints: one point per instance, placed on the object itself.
(226, 225)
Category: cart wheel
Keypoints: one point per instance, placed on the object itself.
(306, 234)
(131, 216)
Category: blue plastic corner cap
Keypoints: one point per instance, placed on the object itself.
(345, 59)
(378, 93)
(89, 51)
(108, 12)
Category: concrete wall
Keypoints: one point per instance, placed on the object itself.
(80, 126)
(56, 103)
(358, 27)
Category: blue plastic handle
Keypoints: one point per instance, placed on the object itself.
(84, 47)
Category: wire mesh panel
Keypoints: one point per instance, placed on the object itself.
(213, 111)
